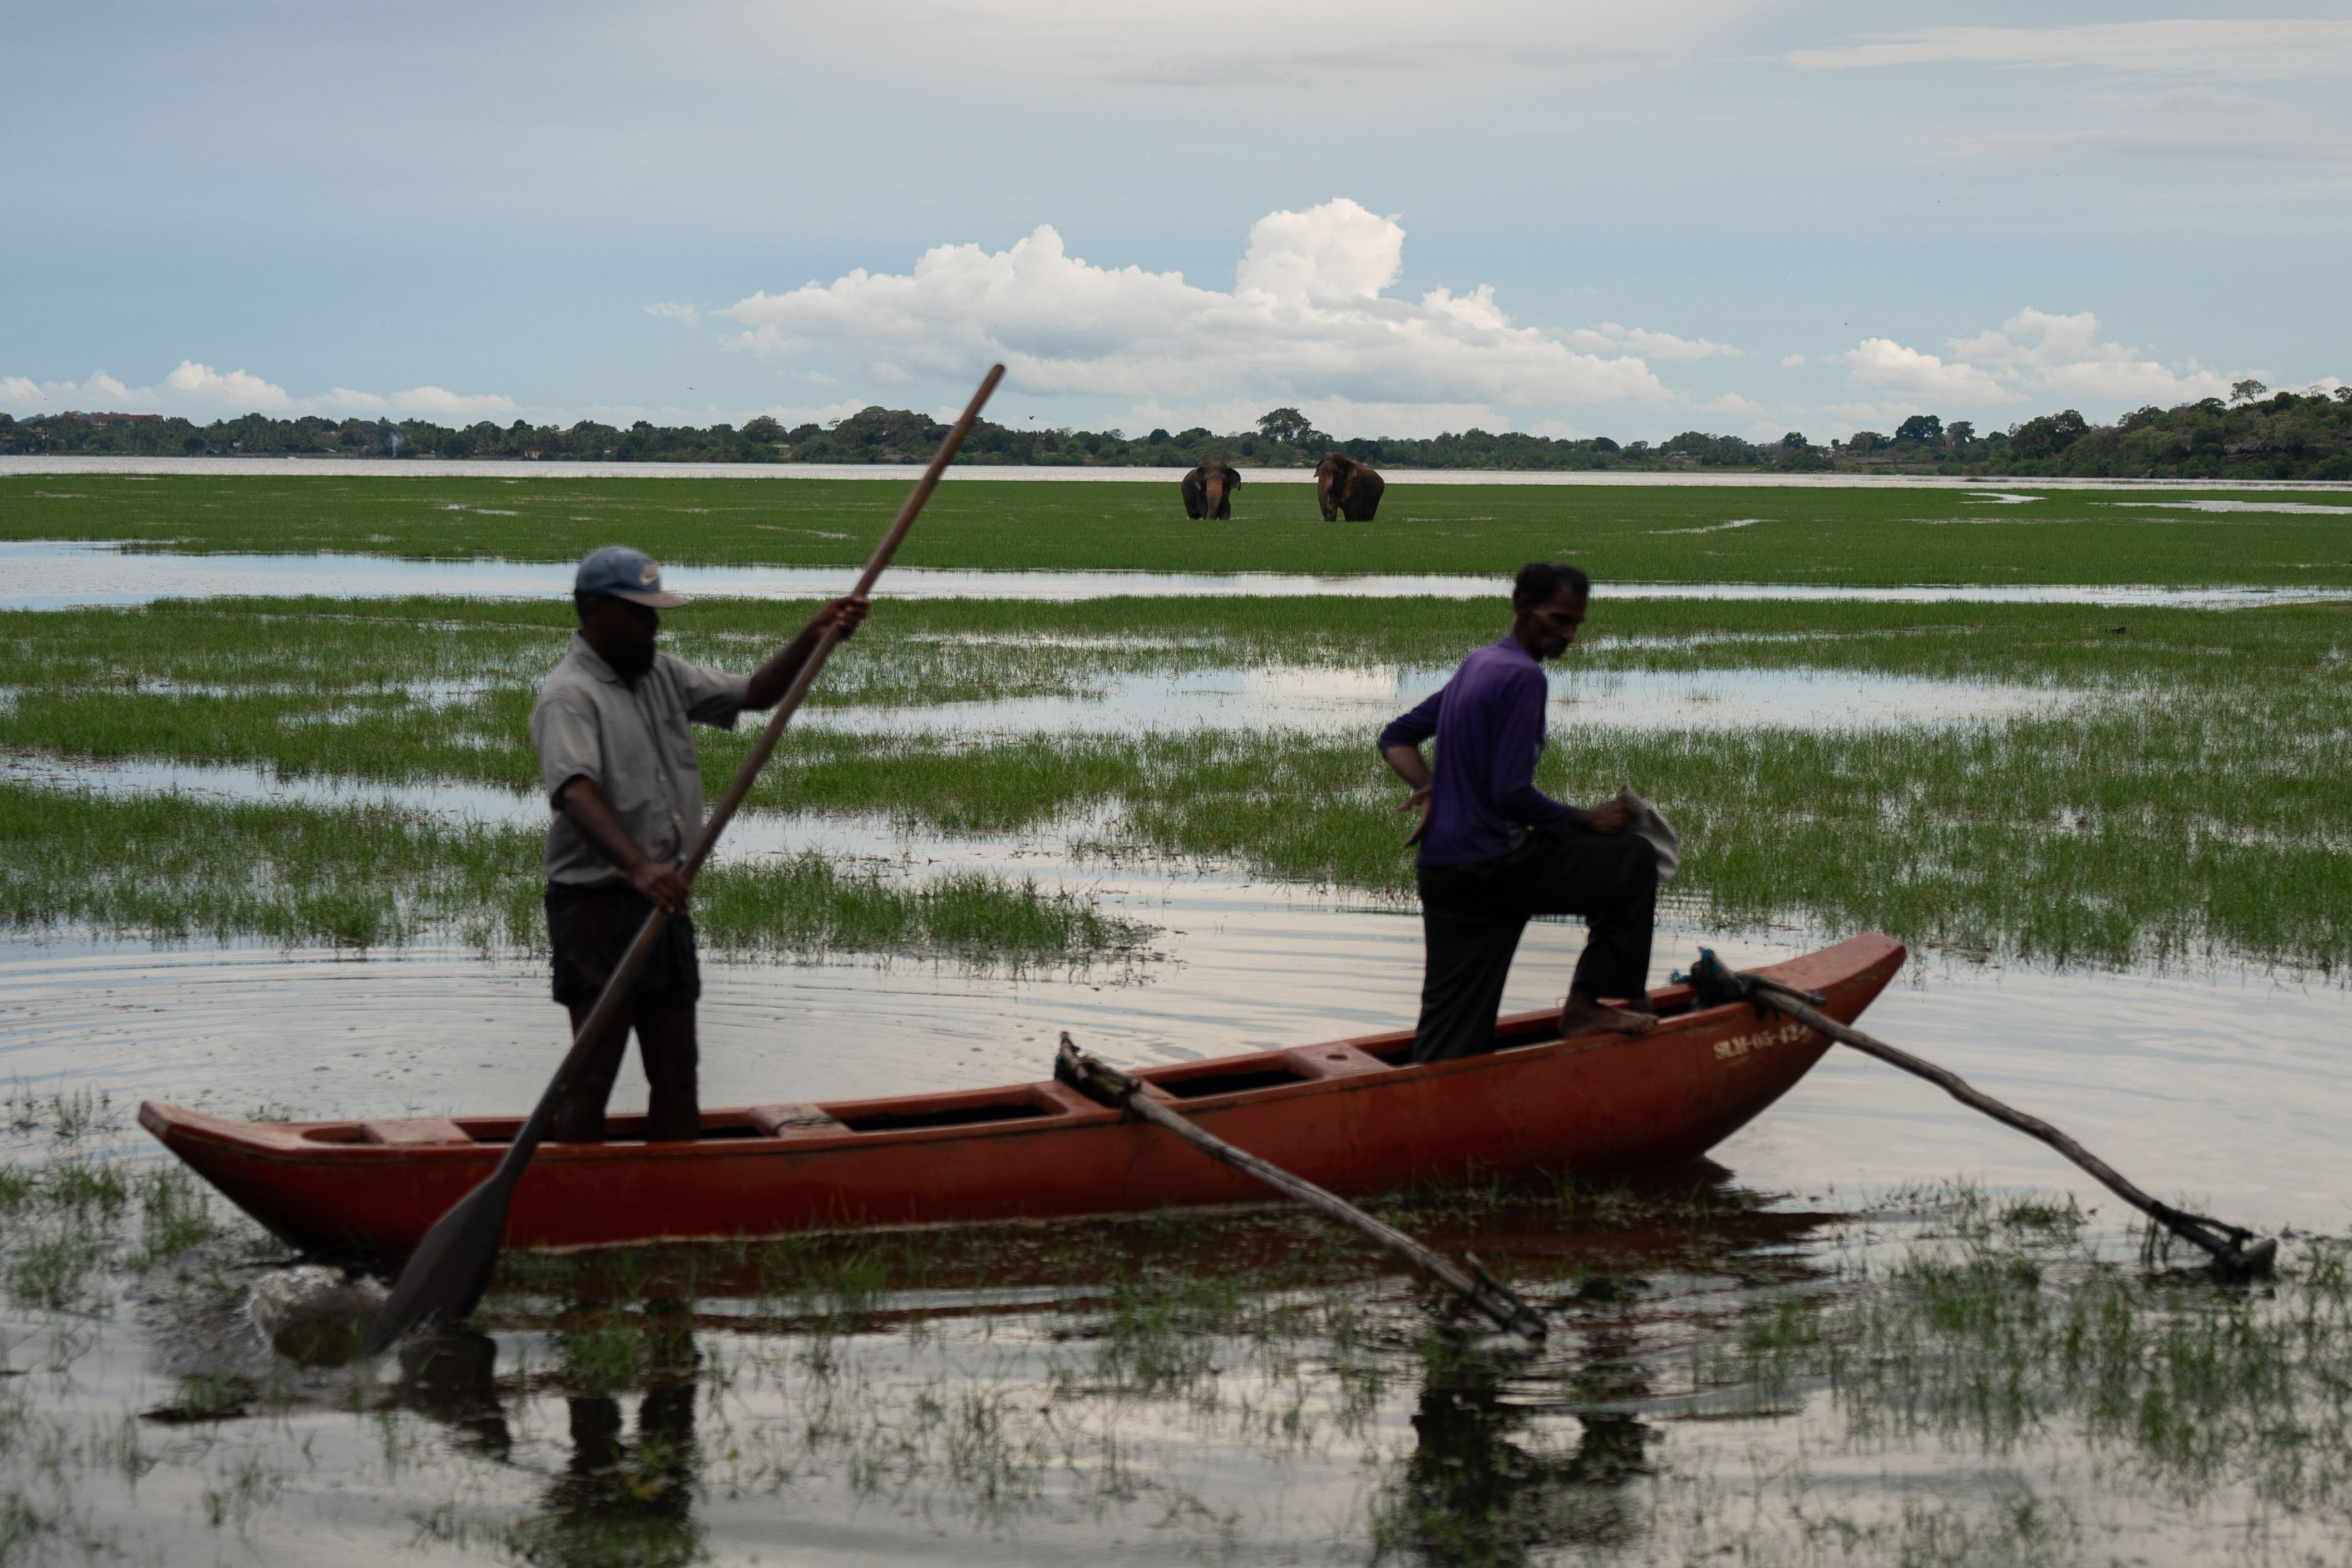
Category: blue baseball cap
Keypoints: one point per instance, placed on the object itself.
(625, 573)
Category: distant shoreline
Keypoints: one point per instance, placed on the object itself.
(27, 464)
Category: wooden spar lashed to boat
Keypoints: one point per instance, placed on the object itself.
(1346, 1115)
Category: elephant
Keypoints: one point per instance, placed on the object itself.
(1208, 490)
(1345, 488)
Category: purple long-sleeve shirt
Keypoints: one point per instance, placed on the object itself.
(1489, 724)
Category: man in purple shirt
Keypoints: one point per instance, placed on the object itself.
(1496, 851)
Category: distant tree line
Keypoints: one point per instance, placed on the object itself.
(2256, 434)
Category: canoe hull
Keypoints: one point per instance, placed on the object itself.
(1336, 1114)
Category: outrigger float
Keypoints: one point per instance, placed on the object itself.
(1350, 1115)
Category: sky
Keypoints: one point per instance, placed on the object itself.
(1567, 217)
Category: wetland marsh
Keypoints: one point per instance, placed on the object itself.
(2088, 784)
(277, 856)
(1662, 533)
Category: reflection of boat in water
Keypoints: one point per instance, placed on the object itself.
(1349, 1115)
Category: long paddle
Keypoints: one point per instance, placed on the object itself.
(1102, 1082)
(2226, 1244)
(446, 1276)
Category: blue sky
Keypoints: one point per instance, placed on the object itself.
(1570, 217)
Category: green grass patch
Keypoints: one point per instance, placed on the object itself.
(1660, 533)
(2170, 831)
(171, 869)
(2193, 803)
(441, 689)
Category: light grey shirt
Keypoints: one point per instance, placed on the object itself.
(635, 743)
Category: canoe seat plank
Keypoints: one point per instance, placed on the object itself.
(1333, 1061)
(414, 1130)
(795, 1122)
(1066, 1100)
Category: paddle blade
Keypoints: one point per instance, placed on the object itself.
(446, 1276)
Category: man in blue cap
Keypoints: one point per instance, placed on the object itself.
(617, 755)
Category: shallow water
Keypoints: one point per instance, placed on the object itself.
(988, 1424)
(49, 575)
(996, 1415)
(2230, 1087)
(2297, 508)
(998, 1418)
(1359, 702)
(517, 471)
(988, 1419)
(1308, 698)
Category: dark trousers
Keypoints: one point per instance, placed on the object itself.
(589, 930)
(1472, 917)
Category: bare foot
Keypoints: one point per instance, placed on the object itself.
(1587, 1015)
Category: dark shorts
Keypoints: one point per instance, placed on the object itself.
(589, 930)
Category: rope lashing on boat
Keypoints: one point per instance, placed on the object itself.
(1106, 1085)
(2235, 1252)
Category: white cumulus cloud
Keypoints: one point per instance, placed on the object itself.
(1306, 319)
(2064, 353)
(198, 392)
(684, 315)
(202, 383)
(439, 403)
(1886, 365)
(1610, 338)
(2034, 353)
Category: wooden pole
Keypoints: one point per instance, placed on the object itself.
(1101, 1082)
(2225, 1244)
(446, 1276)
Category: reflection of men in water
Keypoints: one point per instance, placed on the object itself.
(613, 732)
(619, 1503)
(452, 1377)
(615, 1501)
(1496, 851)
(1472, 1494)
(614, 1504)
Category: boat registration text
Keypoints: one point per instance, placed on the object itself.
(1740, 1045)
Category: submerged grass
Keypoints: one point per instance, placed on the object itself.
(2008, 1323)
(427, 688)
(2119, 836)
(1946, 1379)
(1666, 534)
(69, 1227)
(169, 869)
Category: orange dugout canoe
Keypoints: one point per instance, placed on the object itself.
(1345, 1115)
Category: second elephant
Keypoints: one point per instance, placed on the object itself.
(1345, 488)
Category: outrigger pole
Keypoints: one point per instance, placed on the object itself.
(1107, 1084)
(2235, 1252)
